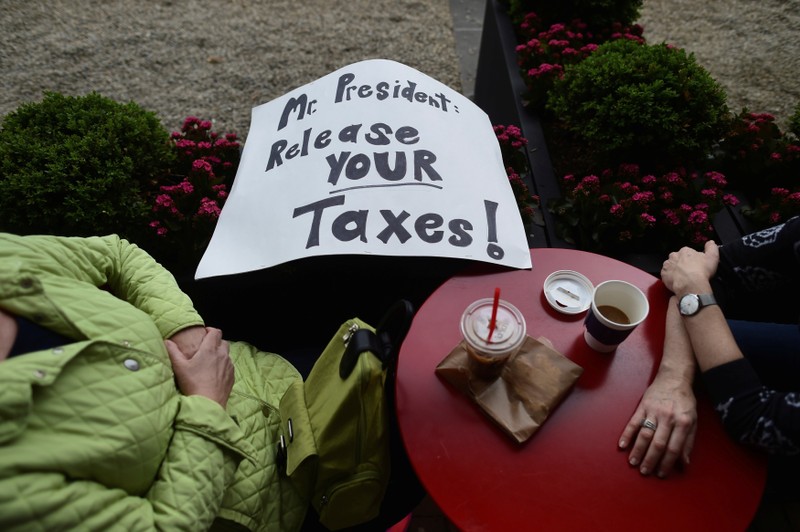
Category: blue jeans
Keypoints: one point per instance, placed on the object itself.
(773, 349)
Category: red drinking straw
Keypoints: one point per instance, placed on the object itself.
(493, 321)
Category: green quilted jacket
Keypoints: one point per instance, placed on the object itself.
(94, 434)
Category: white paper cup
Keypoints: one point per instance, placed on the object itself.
(618, 307)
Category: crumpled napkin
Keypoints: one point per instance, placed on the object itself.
(532, 383)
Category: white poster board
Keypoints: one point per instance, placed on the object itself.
(375, 158)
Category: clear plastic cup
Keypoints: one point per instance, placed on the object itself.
(486, 355)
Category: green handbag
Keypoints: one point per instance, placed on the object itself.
(335, 438)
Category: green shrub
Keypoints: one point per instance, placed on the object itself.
(763, 163)
(79, 166)
(595, 13)
(637, 102)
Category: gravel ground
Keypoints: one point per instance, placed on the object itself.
(215, 59)
(219, 58)
(752, 48)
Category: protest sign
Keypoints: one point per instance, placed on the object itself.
(375, 158)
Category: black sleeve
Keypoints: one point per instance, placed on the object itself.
(758, 278)
(751, 413)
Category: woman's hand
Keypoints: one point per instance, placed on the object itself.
(671, 405)
(209, 372)
(188, 340)
(8, 333)
(688, 270)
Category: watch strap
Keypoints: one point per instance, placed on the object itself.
(706, 299)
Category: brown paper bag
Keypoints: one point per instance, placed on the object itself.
(532, 383)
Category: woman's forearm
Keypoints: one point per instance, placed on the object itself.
(678, 358)
(712, 341)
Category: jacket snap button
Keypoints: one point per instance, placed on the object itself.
(39, 373)
(266, 411)
(126, 343)
(26, 282)
(131, 364)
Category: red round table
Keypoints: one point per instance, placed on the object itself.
(570, 474)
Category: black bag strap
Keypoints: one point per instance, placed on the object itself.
(384, 343)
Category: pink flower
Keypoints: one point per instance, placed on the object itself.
(674, 179)
(717, 178)
(208, 208)
(513, 130)
(164, 201)
(546, 68)
(648, 219)
(202, 166)
(591, 181)
(617, 210)
(649, 180)
(698, 218)
(185, 144)
(190, 122)
(709, 193)
(221, 190)
(671, 218)
(730, 199)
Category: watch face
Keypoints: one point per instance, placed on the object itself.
(689, 304)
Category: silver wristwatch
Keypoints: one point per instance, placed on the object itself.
(690, 304)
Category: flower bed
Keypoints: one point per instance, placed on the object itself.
(590, 197)
(617, 207)
(188, 202)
